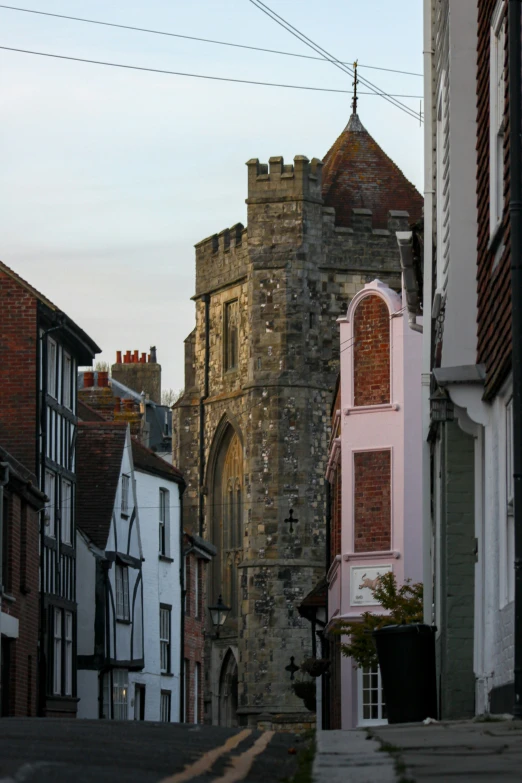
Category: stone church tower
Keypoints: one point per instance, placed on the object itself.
(251, 429)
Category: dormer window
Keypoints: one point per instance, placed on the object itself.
(231, 336)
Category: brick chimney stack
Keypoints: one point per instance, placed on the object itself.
(140, 373)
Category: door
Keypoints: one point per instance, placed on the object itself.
(5, 678)
(139, 702)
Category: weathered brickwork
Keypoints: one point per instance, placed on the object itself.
(18, 351)
(371, 352)
(372, 501)
(20, 599)
(194, 641)
(293, 272)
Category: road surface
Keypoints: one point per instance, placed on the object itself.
(47, 750)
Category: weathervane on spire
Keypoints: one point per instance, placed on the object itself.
(355, 83)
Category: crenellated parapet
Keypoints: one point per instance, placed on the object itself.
(221, 258)
(277, 181)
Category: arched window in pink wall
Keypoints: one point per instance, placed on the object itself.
(371, 352)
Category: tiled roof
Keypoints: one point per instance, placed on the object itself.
(90, 347)
(148, 461)
(144, 458)
(357, 174)
(99, 454)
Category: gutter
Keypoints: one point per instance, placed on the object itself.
(206, 300)
(427, 299)
(515, 220)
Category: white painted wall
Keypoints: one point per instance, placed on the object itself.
(85, 592)
(161, 585)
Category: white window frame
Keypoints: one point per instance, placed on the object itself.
(165, 706)
(125, 486)
(186, 676)
(66, 512)
(67, 377)
(197, 563)
(50, 506)
(165, 639)
(68, 653)
(57, 650)
(120, 694)
(197, 688)
(52, 367)
(362, 720)
(496, 117)
(164, 522)
(122, 592)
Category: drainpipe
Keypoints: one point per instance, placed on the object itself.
(206, 300)
(182, 611)
(4, 467)
(515, 218)
(328, 558)
(427, 298)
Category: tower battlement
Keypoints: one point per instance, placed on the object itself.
(220, 258)
(277, 181)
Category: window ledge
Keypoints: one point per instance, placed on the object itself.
(7, 597)
(125, 515)
(389, 406)
(165, 558)
(167, 674)
(123, 622)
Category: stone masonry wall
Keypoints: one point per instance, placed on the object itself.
(294, 274)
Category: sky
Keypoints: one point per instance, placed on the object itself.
(110, 176)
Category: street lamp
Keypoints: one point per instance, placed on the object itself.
(218, 614)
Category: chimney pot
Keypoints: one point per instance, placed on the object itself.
(118, 357)
(103, 378)
(153, 354)
(136, 356)
(88, 379)
(127, 357)
(143, 358)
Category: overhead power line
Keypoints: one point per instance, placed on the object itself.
(190, 37)
(327, 56)
(178, 73)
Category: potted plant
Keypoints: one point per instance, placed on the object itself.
(305, 690)
(402, 646)
(315, 667)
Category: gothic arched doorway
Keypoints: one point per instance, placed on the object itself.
(228, 691)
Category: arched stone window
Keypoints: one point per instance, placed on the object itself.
(228, 519)
(371, 352)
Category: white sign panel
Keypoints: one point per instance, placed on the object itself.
(363, 579)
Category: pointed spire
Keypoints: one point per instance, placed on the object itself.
(355, 83)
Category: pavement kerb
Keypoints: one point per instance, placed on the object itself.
(352, 757)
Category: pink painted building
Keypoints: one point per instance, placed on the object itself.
(378, 454)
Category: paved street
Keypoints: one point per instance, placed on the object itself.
(34, 750)
(468, 751)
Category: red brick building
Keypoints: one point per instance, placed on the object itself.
(20, 504)
(198, 554)
(40, 350)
